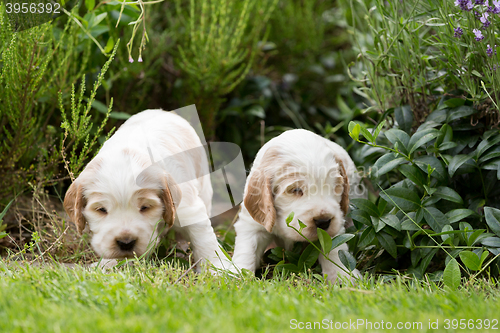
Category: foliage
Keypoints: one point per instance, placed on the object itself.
(218, 49)
(411, 51)
(78, 128)
(438, 192)
(33, 64)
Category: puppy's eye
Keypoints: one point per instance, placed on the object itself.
(297, 191)
(144, 208)
(102, 210)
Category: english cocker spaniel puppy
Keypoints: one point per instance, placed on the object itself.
(151, 175)
(299, 172)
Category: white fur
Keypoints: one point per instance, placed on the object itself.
(110, 182)
(299, 159)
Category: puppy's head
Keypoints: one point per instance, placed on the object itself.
(315, 188)
(124, 219)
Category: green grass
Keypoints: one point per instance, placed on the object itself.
(145, 298)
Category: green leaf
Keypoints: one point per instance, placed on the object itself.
(90, 4)
(4, 211)
(308, 257)
(404, 117)
(392, 220)
(449, 194)
(378, 129)
(287, 268)
(396, 136)
(289, 218)
(422, 137)
(3, 234)
(340, 239)
(456, 162)
(361, 216)
(367, 134)
(366, 205)
(471, 240)
(476, 73)
(446, 146)
(454, 102)
(451, 274)
(109, 45)
(99, 18)
(302, 226)
(447, 228)
(347, 259)
(412, 173)
(387, 163)
(471, 260)
(405, 199)
(492, 216)
(354, 130)
(377, 223)
(460, 112)
(491, 242)
(424, 161)
(435, 218)
(494, 153)
(325, 240)
(119, 115)
(388, 243)
(457, 215)
(366, 237)
(485, 145)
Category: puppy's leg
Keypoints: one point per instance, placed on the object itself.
(251, 241)
(333, 270)
(205, 245)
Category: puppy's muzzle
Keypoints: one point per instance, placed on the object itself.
(322, 222)
(126, 244)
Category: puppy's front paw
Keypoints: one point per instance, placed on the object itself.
(340, 276)
(105, 264)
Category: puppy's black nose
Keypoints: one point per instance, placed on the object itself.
(322, 223)
(126, 244)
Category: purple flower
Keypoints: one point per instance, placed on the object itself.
(140, 59)
(495, 9)
(489, 50)
(464, 4)
(479, 2)
(484, 20)
(130, 59)
(479, 35)
(458, 32)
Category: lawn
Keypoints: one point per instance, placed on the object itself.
(146, 297)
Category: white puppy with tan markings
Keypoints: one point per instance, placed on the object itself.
(298, 172)
(151, 175)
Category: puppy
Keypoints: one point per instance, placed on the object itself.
(298, 172)
(151, 175)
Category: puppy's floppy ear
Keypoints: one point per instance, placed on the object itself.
(74, 203)
(259, 199)
(171, 196)
(344, 201)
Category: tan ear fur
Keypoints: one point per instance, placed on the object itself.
(171, 197)
(344, 201)
(74, 203)
(259, 200)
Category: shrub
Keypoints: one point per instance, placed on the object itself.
(34, 65)
(436, 143)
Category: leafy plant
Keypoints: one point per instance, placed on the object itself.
(79, 126)
(219, 49)
(434, 186)
(2, 215)
(302, 257)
